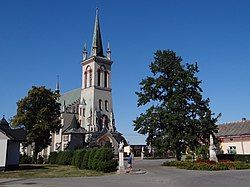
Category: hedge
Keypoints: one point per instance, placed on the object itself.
(53, 158)
(100, 159)
(78, 157)
(25, 159)
(234, 157)
(206, 165)
(64, 157)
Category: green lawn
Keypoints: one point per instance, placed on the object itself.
(50, 171)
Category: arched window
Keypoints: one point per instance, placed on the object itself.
(101, 77)
(98, 77)
(100, 104)
(88, 77)
(106, 105)
(85, 79)
(106, 79)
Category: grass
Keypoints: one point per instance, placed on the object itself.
(48, 171)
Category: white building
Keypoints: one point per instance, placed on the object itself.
(87, 113)
(10, 140)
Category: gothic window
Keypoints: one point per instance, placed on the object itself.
(98, 77)
(106, 79)
(101, 77)
(88, 77)
(85, 79)
(106, 105)
(83, 112)
(100, 104)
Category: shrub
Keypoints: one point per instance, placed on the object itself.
(243, 158)
(208, 165)
(64, 157)
(189, 157)
(241, 165)
(25, 159)
(96, 159)
(84, 164)
(40, 160)
(53, 157)
(106, 154)
(230, 157)
(91, 158)
(107, 166)
(78, 157)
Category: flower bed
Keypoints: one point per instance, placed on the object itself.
(208, 165)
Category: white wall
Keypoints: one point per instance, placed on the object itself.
(241, 147)
(3, 151)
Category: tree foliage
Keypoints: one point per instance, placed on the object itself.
(178, 116)
(39, 113)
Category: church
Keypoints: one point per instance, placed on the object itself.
(87, 116)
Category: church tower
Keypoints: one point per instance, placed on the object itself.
(95, 108)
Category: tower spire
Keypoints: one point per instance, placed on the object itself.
(84, 52)
(108, 52)
(57, 90)
(97, 49)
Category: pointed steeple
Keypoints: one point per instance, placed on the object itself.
(84, 52)
(57, 90)
(97, 39)
(108, 52)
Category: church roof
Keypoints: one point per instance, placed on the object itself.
(70, 97)
(71, 125)
(70, 121)
(14, 134)
(234, 128)
(97, 39)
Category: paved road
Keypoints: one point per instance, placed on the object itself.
(156, 176)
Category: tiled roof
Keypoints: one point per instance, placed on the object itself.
(234, 129)
(70, 97)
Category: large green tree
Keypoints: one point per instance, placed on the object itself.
(39, 113)
(178, 117)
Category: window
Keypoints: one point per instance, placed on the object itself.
(98, 77)
(83, 112)
(65, 138)
(106, 106)
(100, 104)
(106, 79)
(80, 112)
(85, 79)
(88, 77)
(231, 150)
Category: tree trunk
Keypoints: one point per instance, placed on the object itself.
(178, 155)
(35, 153)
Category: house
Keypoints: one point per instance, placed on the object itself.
(10, 140)
(235, 137)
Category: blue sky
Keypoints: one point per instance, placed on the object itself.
(43, 38)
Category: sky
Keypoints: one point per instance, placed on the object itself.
(44, 38)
